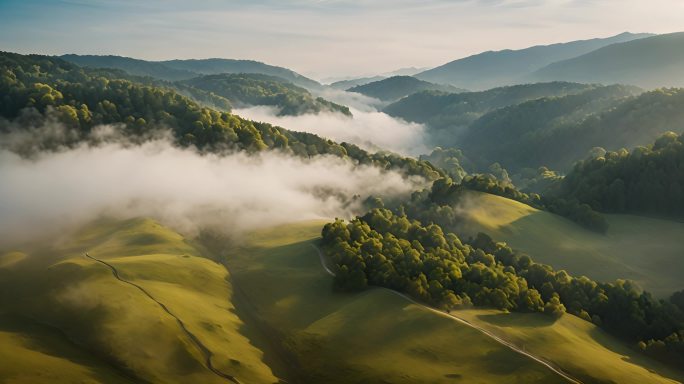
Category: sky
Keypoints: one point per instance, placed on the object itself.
(321, 38)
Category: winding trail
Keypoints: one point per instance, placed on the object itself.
(201, 347)
(496, 338)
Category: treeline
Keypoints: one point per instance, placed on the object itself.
(246, 89)
(648, 180)
(390, 250)
(439, 204)
(40, 88)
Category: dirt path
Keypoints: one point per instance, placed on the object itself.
(496, 338)
(201, 347)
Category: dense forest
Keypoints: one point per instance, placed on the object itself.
(390, 250)
(37, 89)
(247, 89)
(647, 180)
(396, 87)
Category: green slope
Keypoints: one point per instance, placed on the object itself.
(289, 293)
(247, 89)
(120, 328)
(370, 337)
(645, 250)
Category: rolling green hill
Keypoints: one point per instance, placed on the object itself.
(396, 87)
(286, 290)
(494, 69)
(255, 89)
(641, 249)
(167, 312)
(346, 84)
(651, 62)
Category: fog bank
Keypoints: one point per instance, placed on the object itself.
(371, 130)
(181, 187)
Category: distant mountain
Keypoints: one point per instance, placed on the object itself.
(394, 88)
(652, 62)
(247, 89)
(350, 83)
(493, 69)
(174, 70)
(132, 66)
(218, 66)
(408, 71)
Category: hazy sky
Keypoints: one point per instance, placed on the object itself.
(320, 38)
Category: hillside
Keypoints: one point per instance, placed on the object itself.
(402, 342)
(167, 314)
(218, 66)
(652, 62)
(255, 89)
(648, 180)
(494, 69)
(133, 66)
(517, 136)
(174, 70)
(551, 239)
(396, 87)
(451, 113)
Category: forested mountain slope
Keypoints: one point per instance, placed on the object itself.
(396, 87)
(36, 89)
(248, 89)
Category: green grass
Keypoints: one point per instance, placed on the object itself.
(370, 337)
(128, 332)
(376, 336)
(574, 345)
(645, 250)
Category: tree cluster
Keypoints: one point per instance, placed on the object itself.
(390, 250)
(648, 180)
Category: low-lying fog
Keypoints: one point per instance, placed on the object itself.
(180, 187)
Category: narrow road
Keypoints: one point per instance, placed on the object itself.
(201, 347)
(496, 338)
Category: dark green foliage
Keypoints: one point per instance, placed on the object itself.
(646, 180)
(392, 251)
(514, 135)
(255, 89)
(396, 87)
(40, 87)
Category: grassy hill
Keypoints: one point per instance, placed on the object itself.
(374, 336)
(396, 87)
(652, 62)
(645, 250)
(494, 69)
(104, 328)
(246, 89)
